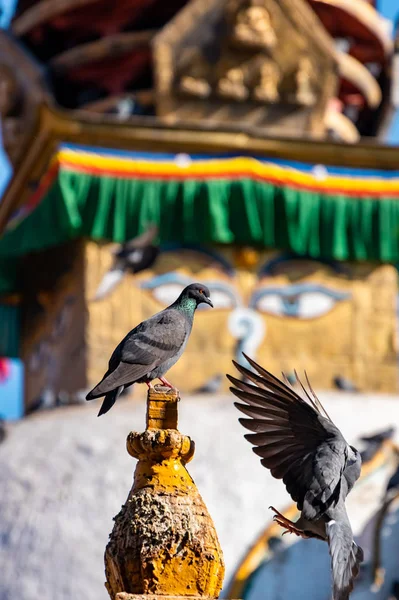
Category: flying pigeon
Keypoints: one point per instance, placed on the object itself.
(300, 444)
(152, 348)
(134, 256)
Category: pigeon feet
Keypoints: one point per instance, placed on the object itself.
(168, 384)
(288, 525)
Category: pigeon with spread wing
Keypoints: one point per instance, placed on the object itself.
(299, 443)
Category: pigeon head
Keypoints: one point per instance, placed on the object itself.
(196, 292)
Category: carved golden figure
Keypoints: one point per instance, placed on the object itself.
(232, 85)
(254, 27)
(269, 79)
(196, 87)
(195, 81)
(304, 82)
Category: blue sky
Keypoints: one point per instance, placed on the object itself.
(389, 8)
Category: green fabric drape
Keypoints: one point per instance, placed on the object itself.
(224, 211)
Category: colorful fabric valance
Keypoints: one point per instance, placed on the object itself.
(336, 213)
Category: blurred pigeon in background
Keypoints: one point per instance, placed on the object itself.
(151, 348)
(393, 483)
(134, 256)
(3, 430)
(344, 384)
(303, 447)
(212, 386)
(374, 442)
(380, 437)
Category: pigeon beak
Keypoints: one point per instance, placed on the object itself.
(208, 301)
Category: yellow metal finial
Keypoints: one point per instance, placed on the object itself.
(164, 541)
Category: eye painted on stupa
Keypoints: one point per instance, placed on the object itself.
(167, 287)
(301, 301)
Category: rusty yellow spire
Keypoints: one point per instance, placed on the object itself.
(164, 541)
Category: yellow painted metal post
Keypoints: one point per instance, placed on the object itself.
(164, 542)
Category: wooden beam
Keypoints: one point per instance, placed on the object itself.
(107, 47)
(43, 11)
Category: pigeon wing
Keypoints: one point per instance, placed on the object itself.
(144, 239)
(156, 340)
(294, 440)
(143, 349)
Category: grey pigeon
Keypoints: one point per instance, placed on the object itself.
(152, 348)
(303, 447)
(344, 384)
(374, 443)
(134, 256)
(3, 430)
(380, 436)
(212, 386)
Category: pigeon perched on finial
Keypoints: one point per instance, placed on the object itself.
(134, 256)
(151, 348)
(299, 443)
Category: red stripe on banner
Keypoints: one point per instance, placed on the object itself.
(44, 185)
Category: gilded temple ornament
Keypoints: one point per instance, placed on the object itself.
(269, 80)
(305, 94)
(194, 81)
(198, 87)
(232, 85)
(254, 27)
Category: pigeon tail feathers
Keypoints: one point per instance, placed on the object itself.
(346, 557)
(110, 400)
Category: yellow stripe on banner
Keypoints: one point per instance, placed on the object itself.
(231, 166)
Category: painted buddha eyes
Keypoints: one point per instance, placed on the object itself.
(166, 288)
(165, 293)
(303, 301)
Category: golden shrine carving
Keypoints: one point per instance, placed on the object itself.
(267, 89)
(270, 61)
(253, 27)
